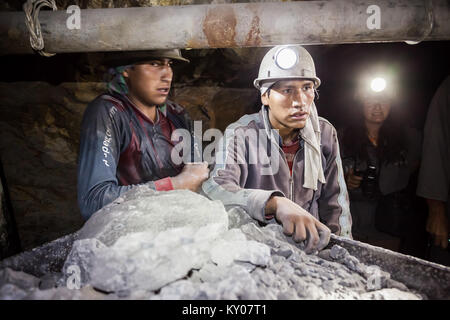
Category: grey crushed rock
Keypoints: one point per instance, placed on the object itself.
(180, 245)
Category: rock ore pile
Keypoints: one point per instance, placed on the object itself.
(180, 245)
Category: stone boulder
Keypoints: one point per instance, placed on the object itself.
(145, 240)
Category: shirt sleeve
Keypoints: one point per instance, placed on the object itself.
(227, 180)
(100, 147)
(434, 175)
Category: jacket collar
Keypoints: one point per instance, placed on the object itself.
(273, 134)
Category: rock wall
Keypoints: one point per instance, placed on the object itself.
(39, 129)
(39, 141)
(9, 238)
(4, 243)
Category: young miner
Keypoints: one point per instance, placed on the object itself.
(126, 133)
(303, 188)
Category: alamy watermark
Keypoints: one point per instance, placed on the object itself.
(237, 146)
(73, 281)
(374, 20)
(374, 278)
(74, 20)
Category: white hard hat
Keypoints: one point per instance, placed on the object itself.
(286, 62)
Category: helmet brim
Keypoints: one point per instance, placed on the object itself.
(257, 82)
(113, 59)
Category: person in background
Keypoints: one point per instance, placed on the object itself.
(434, 178)
(381, 157)
(126, 133)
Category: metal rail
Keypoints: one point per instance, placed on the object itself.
(231, 25)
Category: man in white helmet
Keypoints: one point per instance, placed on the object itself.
(302, 185)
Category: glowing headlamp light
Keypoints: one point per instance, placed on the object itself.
(378, 84)
(286, 58)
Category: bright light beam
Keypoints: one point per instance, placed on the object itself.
(378, 84)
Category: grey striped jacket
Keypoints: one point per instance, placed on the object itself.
(250, 167)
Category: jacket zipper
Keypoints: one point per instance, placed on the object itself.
(291, 188)
(291, 178)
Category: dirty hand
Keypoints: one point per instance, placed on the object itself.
(437, 223)
(353, 181)
(299, 223)
(191, 177)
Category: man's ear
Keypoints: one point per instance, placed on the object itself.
(126, 71)
(265, 99)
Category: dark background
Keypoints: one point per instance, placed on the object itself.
(419, 70)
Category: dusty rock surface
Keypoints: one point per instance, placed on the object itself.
(180, 245)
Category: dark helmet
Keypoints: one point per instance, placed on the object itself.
(114, 59)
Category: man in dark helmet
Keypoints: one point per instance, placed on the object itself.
(126, 132)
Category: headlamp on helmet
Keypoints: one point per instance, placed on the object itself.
(286, 58)
(378, 84)
(285, 62)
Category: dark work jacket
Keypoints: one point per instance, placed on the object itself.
(120, 148)
(392, 177)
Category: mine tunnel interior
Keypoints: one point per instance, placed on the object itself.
(43, 100)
